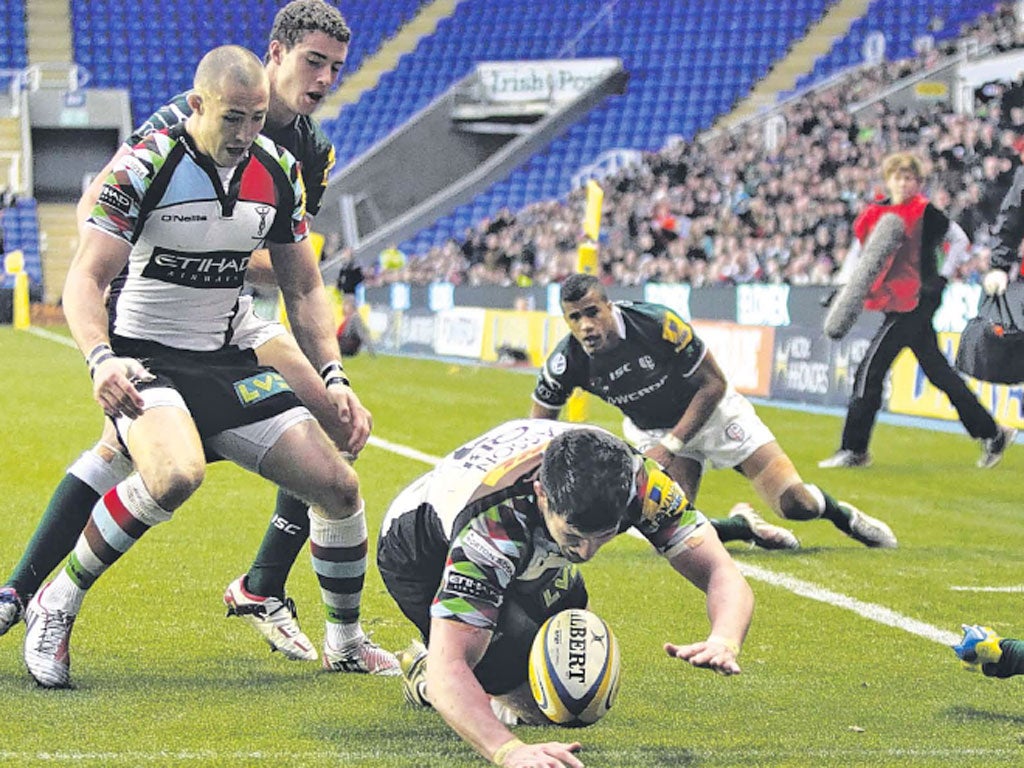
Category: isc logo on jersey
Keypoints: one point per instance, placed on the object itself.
(574, 668)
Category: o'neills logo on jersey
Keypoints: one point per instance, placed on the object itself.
(177, 217)
(216, 269)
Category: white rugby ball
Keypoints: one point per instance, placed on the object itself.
(574, 668)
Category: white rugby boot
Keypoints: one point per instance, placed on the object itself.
(273, 618)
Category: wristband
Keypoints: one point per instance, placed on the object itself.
(504, 750)
(672, 444)
(99, 354)
(732, 645)
(333, 373)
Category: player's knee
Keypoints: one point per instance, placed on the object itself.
(798, 503)
(346, 485)
(337, 495)
(171, 486)
(101, 468)
(779, 484)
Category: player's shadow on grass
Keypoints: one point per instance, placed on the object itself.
(973, 715)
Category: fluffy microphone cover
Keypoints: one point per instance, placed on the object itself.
(885, 238)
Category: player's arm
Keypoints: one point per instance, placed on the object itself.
(92, 193)
(98, 260)
(260, 270)
(711, 385)
(538, 411)
(309, 311)
(283, 353)
(312, 322)
(455, 649)
(729, 602)
(554, 384)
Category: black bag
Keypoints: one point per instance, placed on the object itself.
(992, 344)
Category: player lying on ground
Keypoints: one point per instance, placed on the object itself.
(479, 551)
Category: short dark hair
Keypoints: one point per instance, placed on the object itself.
(588, 477)
(578, 285)
(300, 17)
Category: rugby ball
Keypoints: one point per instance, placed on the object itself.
(574, 668)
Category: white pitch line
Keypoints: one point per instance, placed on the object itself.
(404, 450)
(837, 755)
(1018, 588)
(51, 336)
(871, 611)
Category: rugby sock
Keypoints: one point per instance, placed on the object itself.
(732, 529)
(118, 520)
(64, 517)
(339, 559)
(284, 539)
(55, 536)
(829, 509)
(1010, 663)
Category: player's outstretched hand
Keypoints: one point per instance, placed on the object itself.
(995, 282)
(552, 754)
(353, 416)
(712, 654)
(113, 386)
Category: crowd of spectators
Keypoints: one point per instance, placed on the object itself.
(732, 208)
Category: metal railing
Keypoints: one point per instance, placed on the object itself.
(12, 178)
(605, 15)
(15, 81)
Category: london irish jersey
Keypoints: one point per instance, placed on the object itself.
(646, 375)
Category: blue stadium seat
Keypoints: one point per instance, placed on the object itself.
(901, 23)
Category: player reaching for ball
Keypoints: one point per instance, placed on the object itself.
(479, 551)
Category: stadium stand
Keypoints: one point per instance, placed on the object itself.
(664, 45)
(689, 63)
(903, 26)
(724, 197)
(132, 50)
(690, 44)
(21, 232)
(13, 53)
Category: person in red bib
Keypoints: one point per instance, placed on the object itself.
(908, 290)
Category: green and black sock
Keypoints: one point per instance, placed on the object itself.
(732, 529)
(63, 520)
(285, 538)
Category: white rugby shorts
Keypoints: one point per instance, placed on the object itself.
(729, 438)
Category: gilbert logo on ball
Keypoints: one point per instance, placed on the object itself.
(574, 668)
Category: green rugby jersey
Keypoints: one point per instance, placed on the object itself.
(646, 376)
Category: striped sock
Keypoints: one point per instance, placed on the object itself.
(339, 559)
(830, 509)
(118, 520)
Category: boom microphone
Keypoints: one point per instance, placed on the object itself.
(885, 238)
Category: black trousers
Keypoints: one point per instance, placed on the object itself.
(913, 330)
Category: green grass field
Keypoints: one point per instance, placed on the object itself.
(163, 678)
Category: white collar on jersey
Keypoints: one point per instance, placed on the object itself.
(620, 322)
